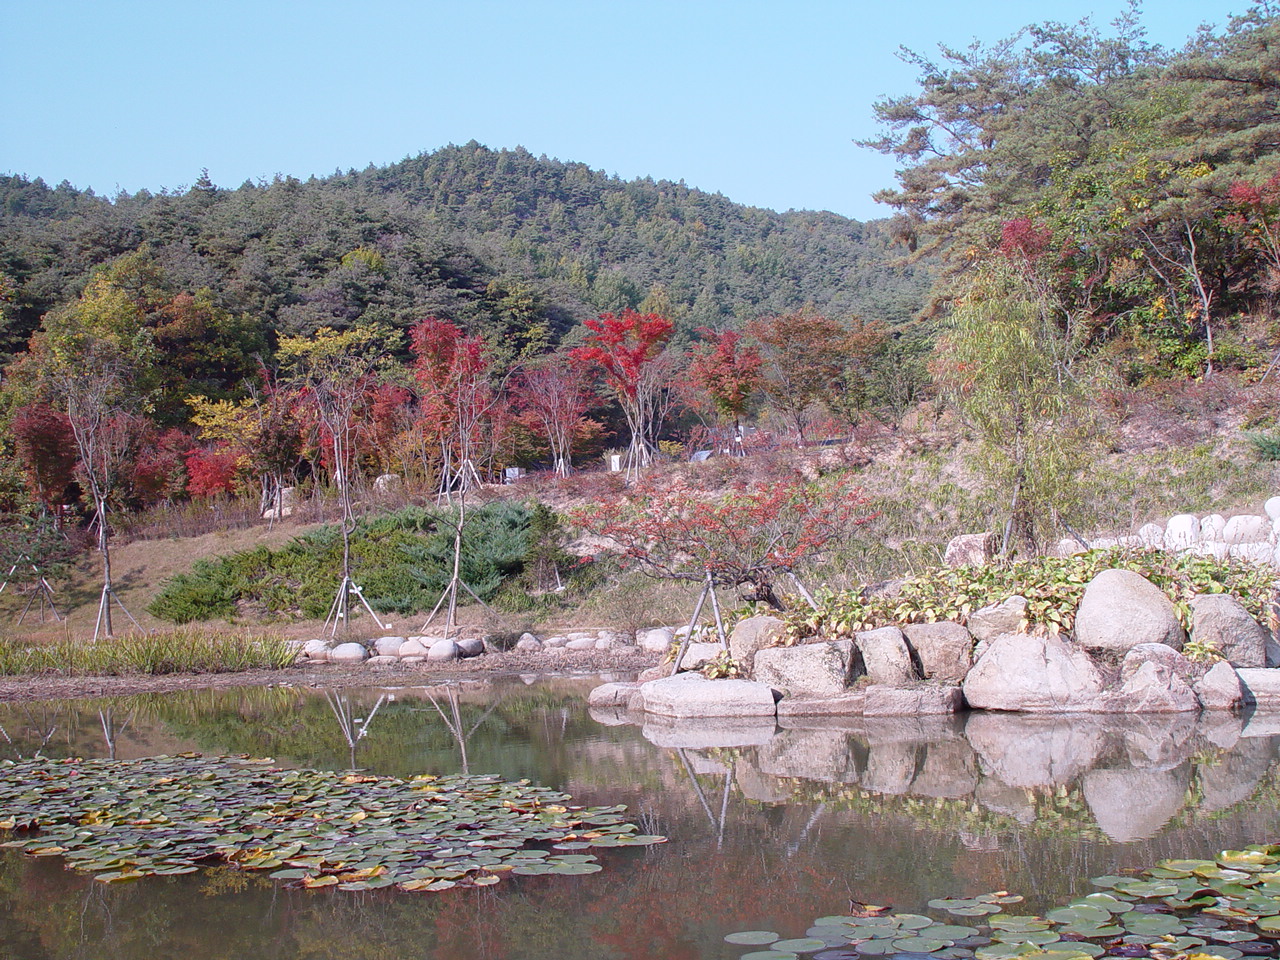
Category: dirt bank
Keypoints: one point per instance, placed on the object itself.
(51, 687)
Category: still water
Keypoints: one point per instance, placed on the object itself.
(769, 827)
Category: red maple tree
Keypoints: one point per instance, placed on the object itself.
(746, 537)
(628, 351)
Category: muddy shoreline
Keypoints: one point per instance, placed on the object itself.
(56, 687)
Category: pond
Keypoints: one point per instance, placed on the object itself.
(768, 828)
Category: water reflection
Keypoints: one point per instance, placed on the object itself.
(770, 825)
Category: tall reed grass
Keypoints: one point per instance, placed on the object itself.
(182, 650)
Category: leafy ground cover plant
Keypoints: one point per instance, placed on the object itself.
(1052, 586)
(122, 820)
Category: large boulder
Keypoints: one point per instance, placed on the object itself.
(848, 703)
(1220, 619)
(1261, 688)
(1154, 688)
(819, 669)
(349, 653)
(695, 657)
(388, 646)
(693, 695)
(1008, 616)
(1162, 654)
(752, 634)
(924, 699)
(944, 650)
(317, 649)
(1220, 688)
(1182, 531)
(1122, 609)
(656, 640)
(1246, 528)
(443, 650)
(611, 694)
(886, 657)
(970, 550)
(1034, 673)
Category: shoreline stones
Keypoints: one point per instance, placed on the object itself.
(390, 651)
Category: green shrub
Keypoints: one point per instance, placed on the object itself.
(402, 562)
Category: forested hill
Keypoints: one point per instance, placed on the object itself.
(498, 240)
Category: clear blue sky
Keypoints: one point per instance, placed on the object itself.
(759, 101)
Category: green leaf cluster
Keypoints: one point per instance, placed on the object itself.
(1052, 586)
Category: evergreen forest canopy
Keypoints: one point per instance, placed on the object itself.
(498, 241)
(1136, 189)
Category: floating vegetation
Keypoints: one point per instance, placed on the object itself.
(123, 820)
(1221, 909)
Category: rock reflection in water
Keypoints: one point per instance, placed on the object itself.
(1134, 773)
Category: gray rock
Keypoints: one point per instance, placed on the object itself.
(443, 650)
(1161, 654)
(528, 644)
(1272, 508)
(752, 634)
(611, 694)
(1111, 795)
(1246, 529)
(555, 640)
(656, 672)
(388, 646)
(817, 669)
(918, 701)
(414, 647)
(581, 643)
(1261, 687)
(944, 650)
(1035, 751)
(411, 661)
(698, 655)
(1220, 688)
(886, 657)
(1154, 688)
(998, 619)
(847, 704)
(316, 649)
(1219, 619)
(382, 661)
(693, 695)
(606, 643)
(1252, 552)
(1212, 526)
(1151, 534)
(470, 646)
(1182, 531)
(970, 550)
(1035, 674)
(349, 653)
(656, 640)
(1122, 609)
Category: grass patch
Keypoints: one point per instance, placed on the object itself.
(169, 651)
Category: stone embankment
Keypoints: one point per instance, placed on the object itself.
(1124, 658)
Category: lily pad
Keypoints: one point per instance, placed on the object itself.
(752, 937)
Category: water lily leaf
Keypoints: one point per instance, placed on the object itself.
(799, 945)
(768, 955)
(920, 944)
(912, 921)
